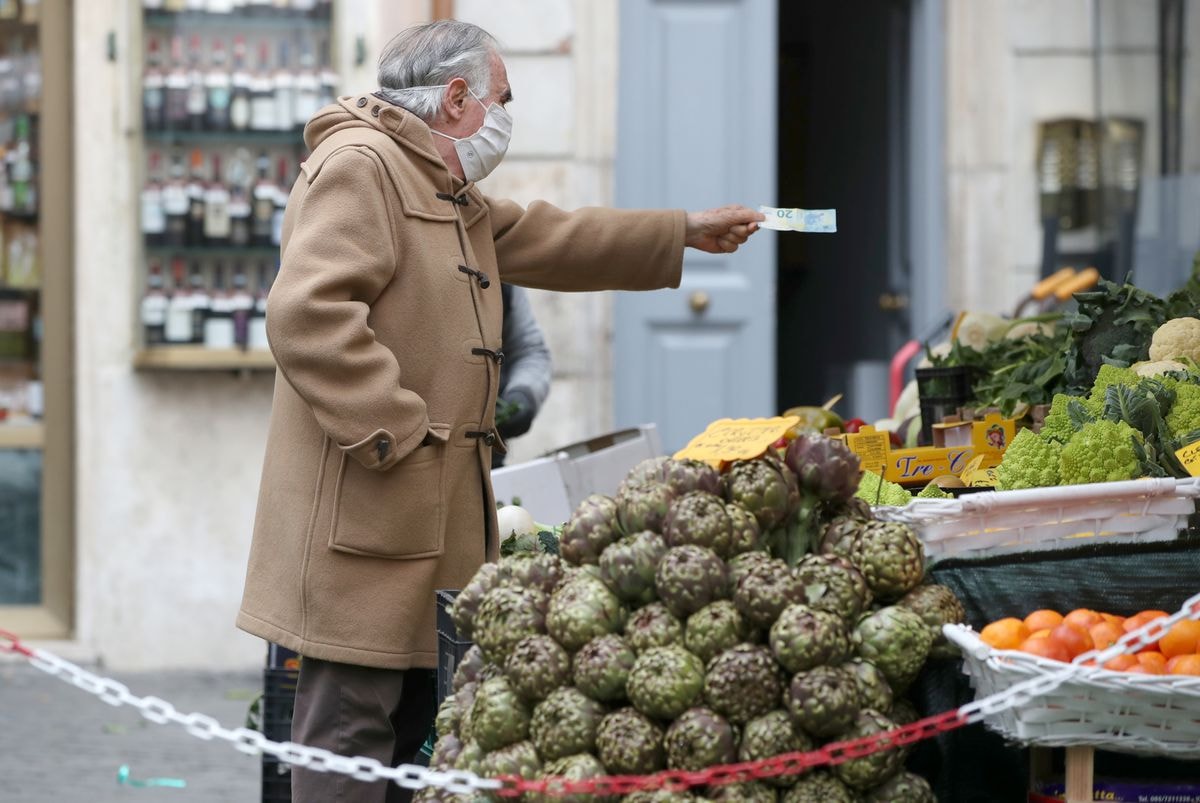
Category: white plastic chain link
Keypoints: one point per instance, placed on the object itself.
(411, 776)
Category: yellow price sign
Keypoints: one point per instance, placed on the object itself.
(729, 439)
(1189, 456)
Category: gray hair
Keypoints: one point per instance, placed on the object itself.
(419, 61)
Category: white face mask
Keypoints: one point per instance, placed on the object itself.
(482, 152)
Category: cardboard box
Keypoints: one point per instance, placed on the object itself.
(1113, 790)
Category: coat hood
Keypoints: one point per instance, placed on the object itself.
(371, 111)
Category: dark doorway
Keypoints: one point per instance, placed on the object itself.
(843, 298)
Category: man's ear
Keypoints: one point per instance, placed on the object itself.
(454, 102)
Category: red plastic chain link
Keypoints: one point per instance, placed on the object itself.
(11, 642)
(786, 764)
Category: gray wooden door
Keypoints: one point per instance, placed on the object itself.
(697, 128)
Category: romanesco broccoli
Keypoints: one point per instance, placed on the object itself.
(1110, 375)
(1057, 424)
(1100, 452)
(1029, 462)
(875, 490)
(932, 491)
(1185, 412)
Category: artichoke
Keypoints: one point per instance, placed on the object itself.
(903, 787)
(819, 786)
(765, 487)
(469, 668)
(896, 641)
(445, 752)
(841, 535)
(745, 534)
(466, 604)
(591, 528)
(537, 666)
(823, 701)
(665, 682)
(519, 759)
(873, 689)
(506, 616)
(627, 567)
(581, 609)
(686, 476)
(741, 565)
(937, 606)
(499, 716)
(653, 626)
(742, 683)
(903, 712)
(448, 718)
(825, 468)
(647, 472)
(629, 743)
(532, 570)
(690, 577)
(891, 558)
(803, 638)
(834, 584)
(699, 738)
(748, 792)
(565, 723)
(578, 767)
(660, 796)
(713, 629)
(602, 668)
(765, 591)
(700, 518)
(464, 701)
(772, 734)
(869, 771)
(643, 507)
(469, 757)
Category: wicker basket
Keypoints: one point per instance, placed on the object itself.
(1122, 711)
(1002, 522)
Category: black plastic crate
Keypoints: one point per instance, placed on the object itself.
(276, 781)
(451, 648)
(275, 710)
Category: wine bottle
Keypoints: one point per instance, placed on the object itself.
(196, 188)
(153, 309)
(154, 214)
(285, 90)
(281, 197)
(217, 223)
(256, 337)
(201, 302)
(218, 324)
(176, 204)
(178, 326)
(262, 92)
(264, 204)
(239, 103)
(177, 87)
(308, 88)
(153, 89)
(241, 306)
(219, 88)
(197, 97)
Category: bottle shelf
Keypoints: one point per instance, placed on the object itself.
(243, 22)
(199, 358)
(23, 217)
(214, 252)
(22, 436)
(291, 138)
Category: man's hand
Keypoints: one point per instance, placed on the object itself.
(721, 231)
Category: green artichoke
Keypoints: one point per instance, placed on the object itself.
(565, 723)
(643, 507)
(532, 570)
(469, 668)
(581, 609)
(578, 767)
(903, 712)
(873, 689)
(831, 583)
(537, 666)
(506, 616)
(765, 591)
(629, 743)
(823, 701)
(803, 638)
(627, 567)
(519, 759)
(699, 738)
(742, 683)
(448, 718)
(936, 605)
(649, 471)
(819, 786)
(690, 577)
(445, 752)
(869, 771)
(665, 682)
(891, 557)
(745, 534)
(903, 787)
(841, 535)
(825, 468)
(470, 757)
(742, 564)
(499, 716)
(466, 604)
(713, 629)
(700, 518)
(653, 626)
(591, 528)
(749, 792)
(896, 641)
(773, 734)
(765, 487)
(464, 701)
(602, 668)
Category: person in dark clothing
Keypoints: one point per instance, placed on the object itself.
(525, 373)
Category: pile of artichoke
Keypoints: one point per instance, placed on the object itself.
(701, 618)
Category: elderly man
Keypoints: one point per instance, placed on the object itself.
(385, 322)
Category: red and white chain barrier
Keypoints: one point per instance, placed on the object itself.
(415, 777)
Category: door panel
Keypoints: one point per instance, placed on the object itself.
(696, 129)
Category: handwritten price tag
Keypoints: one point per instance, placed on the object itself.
(1189, 456)
(729, 439)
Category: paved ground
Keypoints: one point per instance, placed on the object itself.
(61, 744)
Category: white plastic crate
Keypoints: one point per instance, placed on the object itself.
(1003, 522)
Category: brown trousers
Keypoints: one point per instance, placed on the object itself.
(384, 714)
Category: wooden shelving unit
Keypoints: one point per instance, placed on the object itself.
(198, 358)
(22, 436)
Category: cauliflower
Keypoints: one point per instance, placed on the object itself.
(1184, 416)
(1175, 339)
(1057, 424)
(1157, 368)
(875, 490)
(1029, 462)
(1102, 451)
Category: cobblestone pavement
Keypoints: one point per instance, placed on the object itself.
(59, 744)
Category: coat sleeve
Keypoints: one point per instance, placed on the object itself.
(588, 249)
(527, 362)
(337, 259)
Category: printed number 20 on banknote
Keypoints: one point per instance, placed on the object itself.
(813, 221)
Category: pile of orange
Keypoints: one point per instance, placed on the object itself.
(1049, 634)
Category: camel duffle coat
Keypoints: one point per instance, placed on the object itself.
(385, 323)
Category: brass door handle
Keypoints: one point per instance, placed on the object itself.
(699, 301)
(893, 301)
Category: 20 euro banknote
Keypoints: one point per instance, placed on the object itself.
(813, 221)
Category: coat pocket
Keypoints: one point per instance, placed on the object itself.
(398, 514)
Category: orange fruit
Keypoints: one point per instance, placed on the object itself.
(1043, 633)
(1113, 619)
(1153, 662)
(1075, 641)
(1142, 617)
(1004, 634)
(1044, 619)
(1184, 665)
(1182, 639)
(1105, 634)
(1045, 647)
(1121, 663)
(1082, 617)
